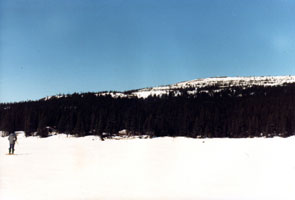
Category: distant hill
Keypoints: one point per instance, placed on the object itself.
(212, 107)
(199, 85)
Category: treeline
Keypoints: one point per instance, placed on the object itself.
(231, 112)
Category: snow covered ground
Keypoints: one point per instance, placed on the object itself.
(61, 168)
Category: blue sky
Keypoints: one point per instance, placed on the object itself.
(63, 46)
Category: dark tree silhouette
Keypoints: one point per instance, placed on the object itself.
(230, 112)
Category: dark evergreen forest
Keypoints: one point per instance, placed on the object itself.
(232, 112)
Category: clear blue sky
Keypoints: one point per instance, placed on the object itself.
(64, 46)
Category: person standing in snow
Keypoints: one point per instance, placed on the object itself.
(12, 139)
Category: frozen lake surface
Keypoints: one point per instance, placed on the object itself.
(67, 168)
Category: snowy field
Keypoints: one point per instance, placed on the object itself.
(61, 168)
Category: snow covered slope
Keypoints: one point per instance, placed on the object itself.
(62, 168)
(218, 83)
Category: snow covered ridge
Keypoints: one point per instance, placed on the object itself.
(56, 96)
(196, 85)
(218, 83)
(239, 81)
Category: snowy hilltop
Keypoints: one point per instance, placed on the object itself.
(219, 83)
(193, 86)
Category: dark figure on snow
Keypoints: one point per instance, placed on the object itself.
(12, 139)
